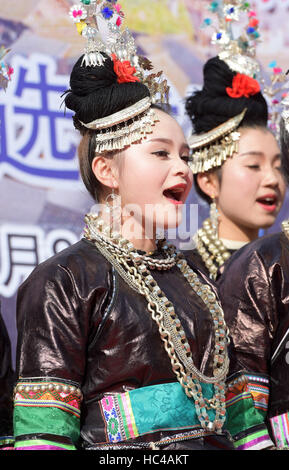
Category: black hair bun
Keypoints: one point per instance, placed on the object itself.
(212, 106)
(95, 92)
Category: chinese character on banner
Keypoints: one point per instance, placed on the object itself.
(37, 139)
(22, 248)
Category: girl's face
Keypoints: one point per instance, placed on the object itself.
(252, 187)
(153, 177)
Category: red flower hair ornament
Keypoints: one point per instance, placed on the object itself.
(243, 85)
(124, 70)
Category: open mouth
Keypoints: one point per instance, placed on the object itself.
(269, 203)
(175, 193)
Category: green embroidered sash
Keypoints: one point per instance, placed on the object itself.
(149, 409)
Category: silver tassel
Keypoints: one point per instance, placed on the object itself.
(93, 59)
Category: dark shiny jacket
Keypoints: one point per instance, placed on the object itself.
(254, 291)
(78, 320)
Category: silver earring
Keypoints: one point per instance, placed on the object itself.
(110, 202)
(113, 212)
(214, 216)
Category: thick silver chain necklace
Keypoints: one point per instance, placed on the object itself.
(132, 268)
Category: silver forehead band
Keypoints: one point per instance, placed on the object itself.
(121, 116)
(211, 149)
(197, 141)
(126, 127)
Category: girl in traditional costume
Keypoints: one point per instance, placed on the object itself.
(254, 291)
(236, 158)
(110, 355)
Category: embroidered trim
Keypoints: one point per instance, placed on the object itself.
(48, 394)
(249, 387)
(197, 433)
(257, 378)
(194, 434)
(255, 441)
(260, 395)
(246, 404)
(280, 428)
(39, 444)
(43, 406)
(118, 416)
(237, 398)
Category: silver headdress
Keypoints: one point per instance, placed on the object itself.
(238, 51)
(100, 23)
(211, 149)
(276, 93)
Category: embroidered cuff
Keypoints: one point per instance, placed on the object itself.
(46, 407)
(41, 444)
(246, 405)
(280, 429)
(257, 438)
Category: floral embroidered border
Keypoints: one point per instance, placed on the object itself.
(280, 428)
(45, 394)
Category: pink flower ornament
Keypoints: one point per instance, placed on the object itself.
(77, 13)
